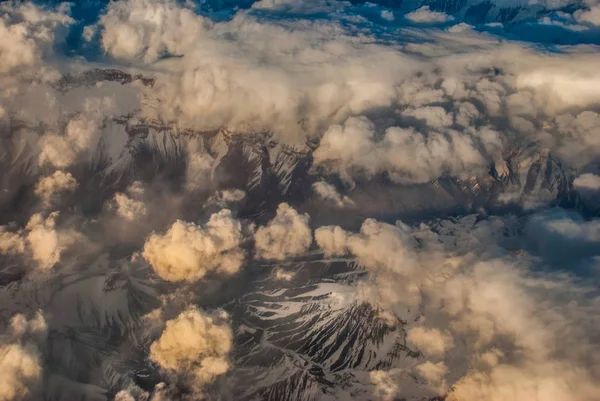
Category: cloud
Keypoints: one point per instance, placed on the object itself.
(287, 235)
(424, 15)
(567, 226)
(389, 253)
(434, 117)
(328, 193)
(195, 346)
(189, 252)
(578, 141)
(20, 359)
(405, 154)
(146, 29)
(511, 322)
(591, 16)
(11, 243)
(40, 239)
(386, 387)
(212, 84)
(223, 198)
(378, 102)
(587, 182)
(387, 15)
(283, 275)
(29, 33)
(431, 342)
(46, 242)
(433, 372)
(61, 149)
(49, 187)
(130, 206)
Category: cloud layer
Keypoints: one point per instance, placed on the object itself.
(161, 160)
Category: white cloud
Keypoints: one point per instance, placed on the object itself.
(195, 346)
(11, 243)
(432, 372)
(222, 198)
(148, 29)
(283, 275)
(28, 33)
(387, 15)
(130, 205)
(46, 242)
(386, 388)
(591, 16)
(432, 342)
(49, 187)
(424, 15)
(40, 239)
(389, 254)
(328, 193)
(188, 251)
(406, 155)
(589, 182)
(287, 235)
(489, 326)
(435, 117)
(20, 359)
(311, 71)
(129, 209)
(61, 149)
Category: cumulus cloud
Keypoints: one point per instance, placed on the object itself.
(389, 254)
(40, 238)
(431, 342)
(590, 16)
(386, 387)
(511, 322)
(287, 235)
(130, 205)
(413, 107)
(129, 209)
(61, 149)
(49, 187)
(20, 358)
(283, 275)
(424, 15)
(189, 252)
(225, 197)
(328, 193)
(11, 243)
(28, 33)
(45, 241)
(387, 15)
(405, 154)
(149, 29)
(433, 372)
(195, 346)
(211, 86)
(587, 182)
(578, 143)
